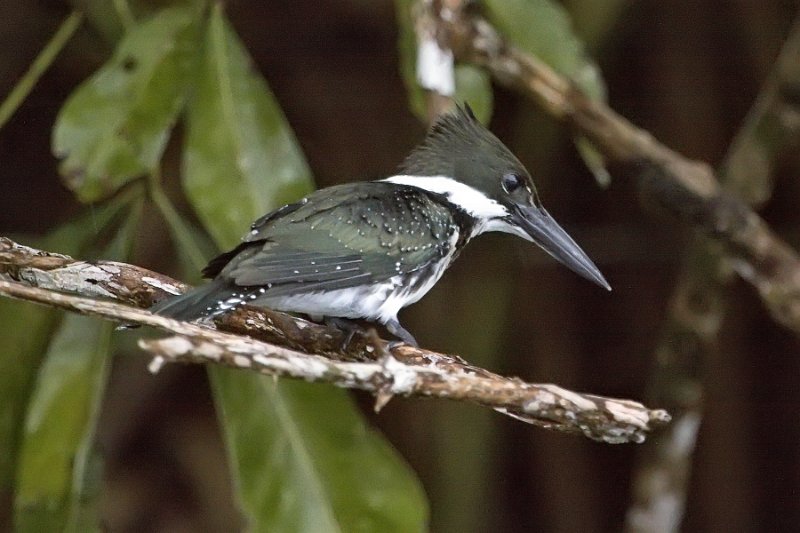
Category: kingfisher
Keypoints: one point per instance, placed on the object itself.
(365, 250)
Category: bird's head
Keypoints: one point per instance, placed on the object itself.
(479, 175)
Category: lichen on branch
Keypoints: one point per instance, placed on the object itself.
(283, 345)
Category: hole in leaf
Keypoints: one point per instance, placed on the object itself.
(129, 64)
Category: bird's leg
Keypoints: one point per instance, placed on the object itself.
(394, 327)
(346, 326)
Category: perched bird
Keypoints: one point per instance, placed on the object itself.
(366, 250)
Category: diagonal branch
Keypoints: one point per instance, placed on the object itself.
(368, 364)
(691, 192)
(697, 307)
(688, 190)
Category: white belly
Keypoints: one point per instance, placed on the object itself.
(379, 302)
(375, 302)
(371, 303)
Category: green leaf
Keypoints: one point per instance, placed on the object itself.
(457, 493)
(27, 329)
(193, 245)
(79, 237)
(59, 424)
(596, 21)
(114, 127)
(57, 475)
(308, 463)
(301, 455)
(543, 29)
(103, 17)
(473, 85)
(241, 159)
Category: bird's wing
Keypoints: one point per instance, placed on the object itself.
(347, 237)
(254, 236)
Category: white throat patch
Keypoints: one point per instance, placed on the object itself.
(474, 202)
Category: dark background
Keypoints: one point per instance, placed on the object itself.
(687, 71)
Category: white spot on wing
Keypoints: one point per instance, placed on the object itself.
(378, 301)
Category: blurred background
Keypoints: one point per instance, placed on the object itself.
(686, 70)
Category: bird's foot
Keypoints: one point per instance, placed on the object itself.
(394, 327)
(348, 327)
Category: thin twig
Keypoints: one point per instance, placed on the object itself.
(771, 129)
(406, 371)
(688, 190)
(39, 66)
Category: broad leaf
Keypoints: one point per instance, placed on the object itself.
(26, 332)
(301, 455)
(473, 85)
(114, 127)
(308, 463)
(57, 475)
(543, 28)
(192, 243)
(59, 424)
(23, 87)
(241, 160)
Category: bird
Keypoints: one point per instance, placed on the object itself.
(365, 250)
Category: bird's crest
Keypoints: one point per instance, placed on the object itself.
(458, 145)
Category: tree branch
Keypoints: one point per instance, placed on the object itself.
(435, 64)
(697, 308)
(368, 364)
(686, 189)
(690, 192)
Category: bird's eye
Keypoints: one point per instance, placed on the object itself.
(512, 182)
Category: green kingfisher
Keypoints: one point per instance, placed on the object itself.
(366, 250)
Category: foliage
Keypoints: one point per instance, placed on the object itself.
(540, 27)
(543, 28)
(294, 448)
(56, 484)
(471, 84)
(302, 457)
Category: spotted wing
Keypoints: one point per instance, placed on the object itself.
(343, 237)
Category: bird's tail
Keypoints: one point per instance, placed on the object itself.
(205, 301)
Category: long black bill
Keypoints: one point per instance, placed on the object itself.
(545, 231)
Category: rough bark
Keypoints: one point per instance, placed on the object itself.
(283, 345)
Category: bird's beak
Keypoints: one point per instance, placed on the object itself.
(542, 229)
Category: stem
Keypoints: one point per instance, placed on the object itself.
(178, 227)
(42, 62)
